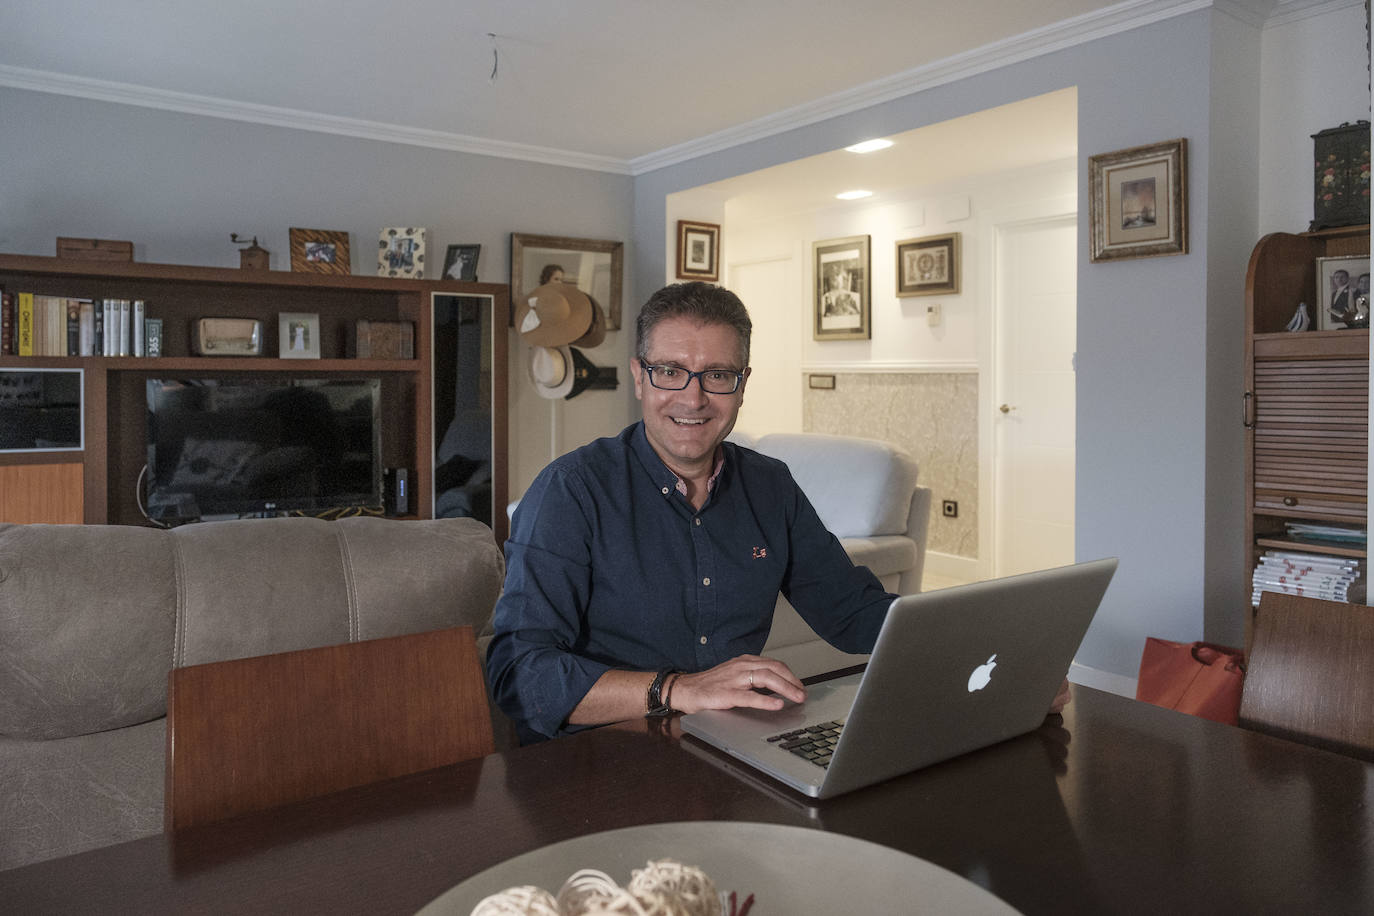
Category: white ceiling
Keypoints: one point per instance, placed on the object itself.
(612, 80)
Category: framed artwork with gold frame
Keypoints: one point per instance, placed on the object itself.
(1140, 201)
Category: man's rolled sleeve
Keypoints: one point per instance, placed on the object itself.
(533, 675)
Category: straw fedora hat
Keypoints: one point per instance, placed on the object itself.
(551, 371)
(553, 315)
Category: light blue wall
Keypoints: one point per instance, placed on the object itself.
(1146, 330)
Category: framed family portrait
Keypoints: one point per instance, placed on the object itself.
(698, 251)
(401, 252)
(460, 263)
(841, 288)
(1342, 294)
(594, 266)
(928, 266)
(1140, 201)
(298, 335)
(320, 251)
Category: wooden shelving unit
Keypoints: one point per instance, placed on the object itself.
(114, 409)
(1306, 402)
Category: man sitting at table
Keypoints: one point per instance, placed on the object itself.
(643, 569)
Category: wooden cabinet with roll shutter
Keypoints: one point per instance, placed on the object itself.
(1306, 406)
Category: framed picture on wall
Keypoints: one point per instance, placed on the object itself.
(928, 266)
(1140, 201)
(698, 251)
(320, 251)
(841, 289)
(595, 267)
(1342, 294)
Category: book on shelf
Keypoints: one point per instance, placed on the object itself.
(98, 327)
(73, 327)
(124, 338)
(8, 319)
(136, 319)
(85, 328)
(1313, 575)
(152, 336)
(24, 332)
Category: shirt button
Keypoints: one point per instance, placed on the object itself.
(703, 640)
(665, 491)
(706, 581)
(697, 520)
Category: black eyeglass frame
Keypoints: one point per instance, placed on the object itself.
(739, 377)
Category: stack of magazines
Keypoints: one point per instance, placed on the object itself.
(1333, 534)
(1313, 575)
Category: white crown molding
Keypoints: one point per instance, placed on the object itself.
(1078, 30)
(1289, 11)
(207, 106)
(1122, 17)
(897, 366)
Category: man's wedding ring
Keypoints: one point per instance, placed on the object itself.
(751, 680)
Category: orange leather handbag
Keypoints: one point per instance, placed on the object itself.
(1199, 678)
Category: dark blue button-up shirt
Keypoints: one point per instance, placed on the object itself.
(609, 566)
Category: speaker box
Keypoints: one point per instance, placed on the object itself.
(396, 491)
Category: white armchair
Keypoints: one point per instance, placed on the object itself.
(865, 491)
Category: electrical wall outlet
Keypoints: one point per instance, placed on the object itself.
(933, 314)
(949, 508)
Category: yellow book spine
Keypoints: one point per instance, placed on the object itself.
(26, 324)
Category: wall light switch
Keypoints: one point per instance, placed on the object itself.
(933, 314)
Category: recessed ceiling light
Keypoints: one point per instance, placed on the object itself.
(853, 195)
(868, 146)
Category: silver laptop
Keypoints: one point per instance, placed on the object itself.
(953, 670)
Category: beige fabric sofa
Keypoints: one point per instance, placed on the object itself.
(93, 617)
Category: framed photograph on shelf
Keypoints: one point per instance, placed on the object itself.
(928, 266)
(320, 251)
(401, 253)
(299, 335)
(698, 251)
(460, 263)
(1139, 201)
(1342, 294)
(841, 286)
(596, 267)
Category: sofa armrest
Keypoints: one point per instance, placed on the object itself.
(918, 529)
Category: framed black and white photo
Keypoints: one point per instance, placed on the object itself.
(928, 266)
(320, 251)
(841, 289)
(460, 263)
(1139, 201)
(299, 335)
(595, 267)
(1342, 294)
(698, 251)
(401, 253)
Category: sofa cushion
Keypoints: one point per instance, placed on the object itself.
(887, 556)
(72, 794)
(86, 623)
(859, 487)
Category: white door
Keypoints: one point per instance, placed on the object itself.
(1033, 418)
(772, 398)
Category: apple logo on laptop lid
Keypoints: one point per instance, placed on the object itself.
(982, 674)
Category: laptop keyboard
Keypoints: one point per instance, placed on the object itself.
(814, 742)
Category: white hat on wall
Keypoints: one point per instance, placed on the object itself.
(551, 371)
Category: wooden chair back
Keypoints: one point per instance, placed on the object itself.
(254, 733)
(1311, 673)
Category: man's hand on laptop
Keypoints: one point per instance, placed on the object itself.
(1061, 699)
(738, 682)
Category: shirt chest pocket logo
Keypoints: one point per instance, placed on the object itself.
(760, 553)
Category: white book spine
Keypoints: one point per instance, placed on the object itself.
(124, 327)
(86, 329)
(108, 337)
(136, 326)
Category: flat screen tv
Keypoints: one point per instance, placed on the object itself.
(241, 447)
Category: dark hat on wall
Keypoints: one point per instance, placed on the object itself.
(597, 332)
(553, 315)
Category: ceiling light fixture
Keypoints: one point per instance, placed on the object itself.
(868, 146)
(853, 195)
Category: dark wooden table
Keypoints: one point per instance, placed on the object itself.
(1121, 808)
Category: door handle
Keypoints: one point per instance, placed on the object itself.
(1006, 408)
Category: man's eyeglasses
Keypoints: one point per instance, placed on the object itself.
(674, 378)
